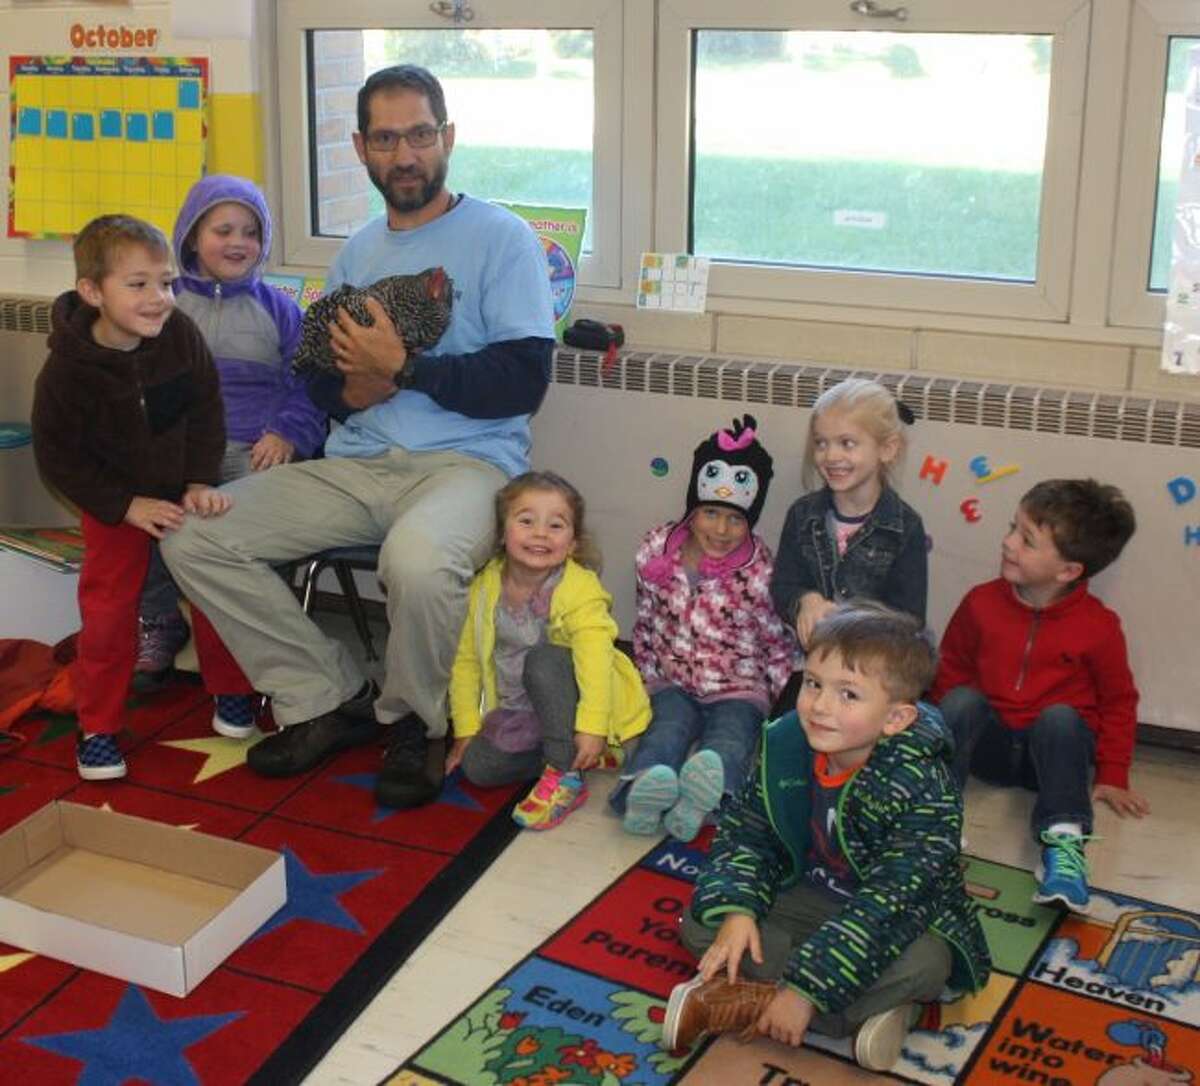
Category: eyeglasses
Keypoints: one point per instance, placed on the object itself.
(419, 137)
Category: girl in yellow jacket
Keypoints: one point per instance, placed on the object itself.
(538, 685)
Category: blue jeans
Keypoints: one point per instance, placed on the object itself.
(1051, 757)
(730, 728)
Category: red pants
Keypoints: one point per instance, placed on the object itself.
(115, 557)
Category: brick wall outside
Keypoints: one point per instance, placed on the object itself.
(343, 201)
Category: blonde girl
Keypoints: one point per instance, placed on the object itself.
(853, 536)
(537, 686)
(222, 241)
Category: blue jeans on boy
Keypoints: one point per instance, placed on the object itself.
(1051, 757)
(730, 728)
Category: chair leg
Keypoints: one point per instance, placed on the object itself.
(308, 583)
(345, 576)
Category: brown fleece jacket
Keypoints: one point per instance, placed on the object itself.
(109, 426)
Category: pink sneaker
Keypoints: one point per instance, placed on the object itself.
(555, 796)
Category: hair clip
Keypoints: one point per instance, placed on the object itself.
(905, 412)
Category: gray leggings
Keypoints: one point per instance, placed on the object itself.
(917, 976)
(549, 678)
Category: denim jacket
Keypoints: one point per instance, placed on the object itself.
(885, 559)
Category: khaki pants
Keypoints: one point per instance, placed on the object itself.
(431, 514)
(917, 976)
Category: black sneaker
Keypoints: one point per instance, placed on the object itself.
(299, 747)
(413, 767)
(361, 707)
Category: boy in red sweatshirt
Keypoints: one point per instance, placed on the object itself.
(1034, 680)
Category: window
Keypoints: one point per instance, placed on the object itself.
(525, 100)
(913, 152)
(1163, 34)
(1170, 159)
(522, 101)
(897, 152)
(1005, 168)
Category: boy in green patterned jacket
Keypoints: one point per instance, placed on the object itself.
(834, 882)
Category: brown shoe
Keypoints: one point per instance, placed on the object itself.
(714, 1006)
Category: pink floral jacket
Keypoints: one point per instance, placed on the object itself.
(718, 638)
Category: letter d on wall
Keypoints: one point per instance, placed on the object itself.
(1182, 489)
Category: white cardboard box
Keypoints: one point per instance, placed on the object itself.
(151, 903)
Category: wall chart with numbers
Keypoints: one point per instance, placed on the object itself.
(94, 135)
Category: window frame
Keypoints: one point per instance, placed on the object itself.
(734, 284)
(1152, 24)
(302, 248)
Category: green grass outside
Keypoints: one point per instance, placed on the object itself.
(519, 175)
(940, 220)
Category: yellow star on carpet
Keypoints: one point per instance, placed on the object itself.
(221, 754)
(11, 961)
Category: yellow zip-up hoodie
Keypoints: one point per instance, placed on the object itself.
(612, 699)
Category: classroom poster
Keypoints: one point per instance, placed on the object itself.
(560, 230)
(95, 135)
(303, 290)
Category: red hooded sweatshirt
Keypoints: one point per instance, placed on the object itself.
(1025, 659)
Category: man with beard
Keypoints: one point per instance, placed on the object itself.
(423, 444)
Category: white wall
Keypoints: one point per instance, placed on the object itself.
(1154, 585)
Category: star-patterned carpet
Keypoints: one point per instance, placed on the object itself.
(365, 885)
(1111, 999)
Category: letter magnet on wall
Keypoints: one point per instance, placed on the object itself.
(933, 469)
(1182, 489)
(971, 511)
(659, 467)
(985, 473)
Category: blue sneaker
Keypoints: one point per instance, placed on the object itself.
(98, 758)
(234, 716)
(654, 792)
(1062, 873)
(701, 785)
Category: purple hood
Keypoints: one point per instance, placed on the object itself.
(220, 188)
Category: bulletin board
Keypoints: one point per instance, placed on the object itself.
(96, 135)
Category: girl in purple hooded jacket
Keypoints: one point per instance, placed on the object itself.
(222, 241)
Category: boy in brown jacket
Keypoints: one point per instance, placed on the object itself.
(128, 425)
